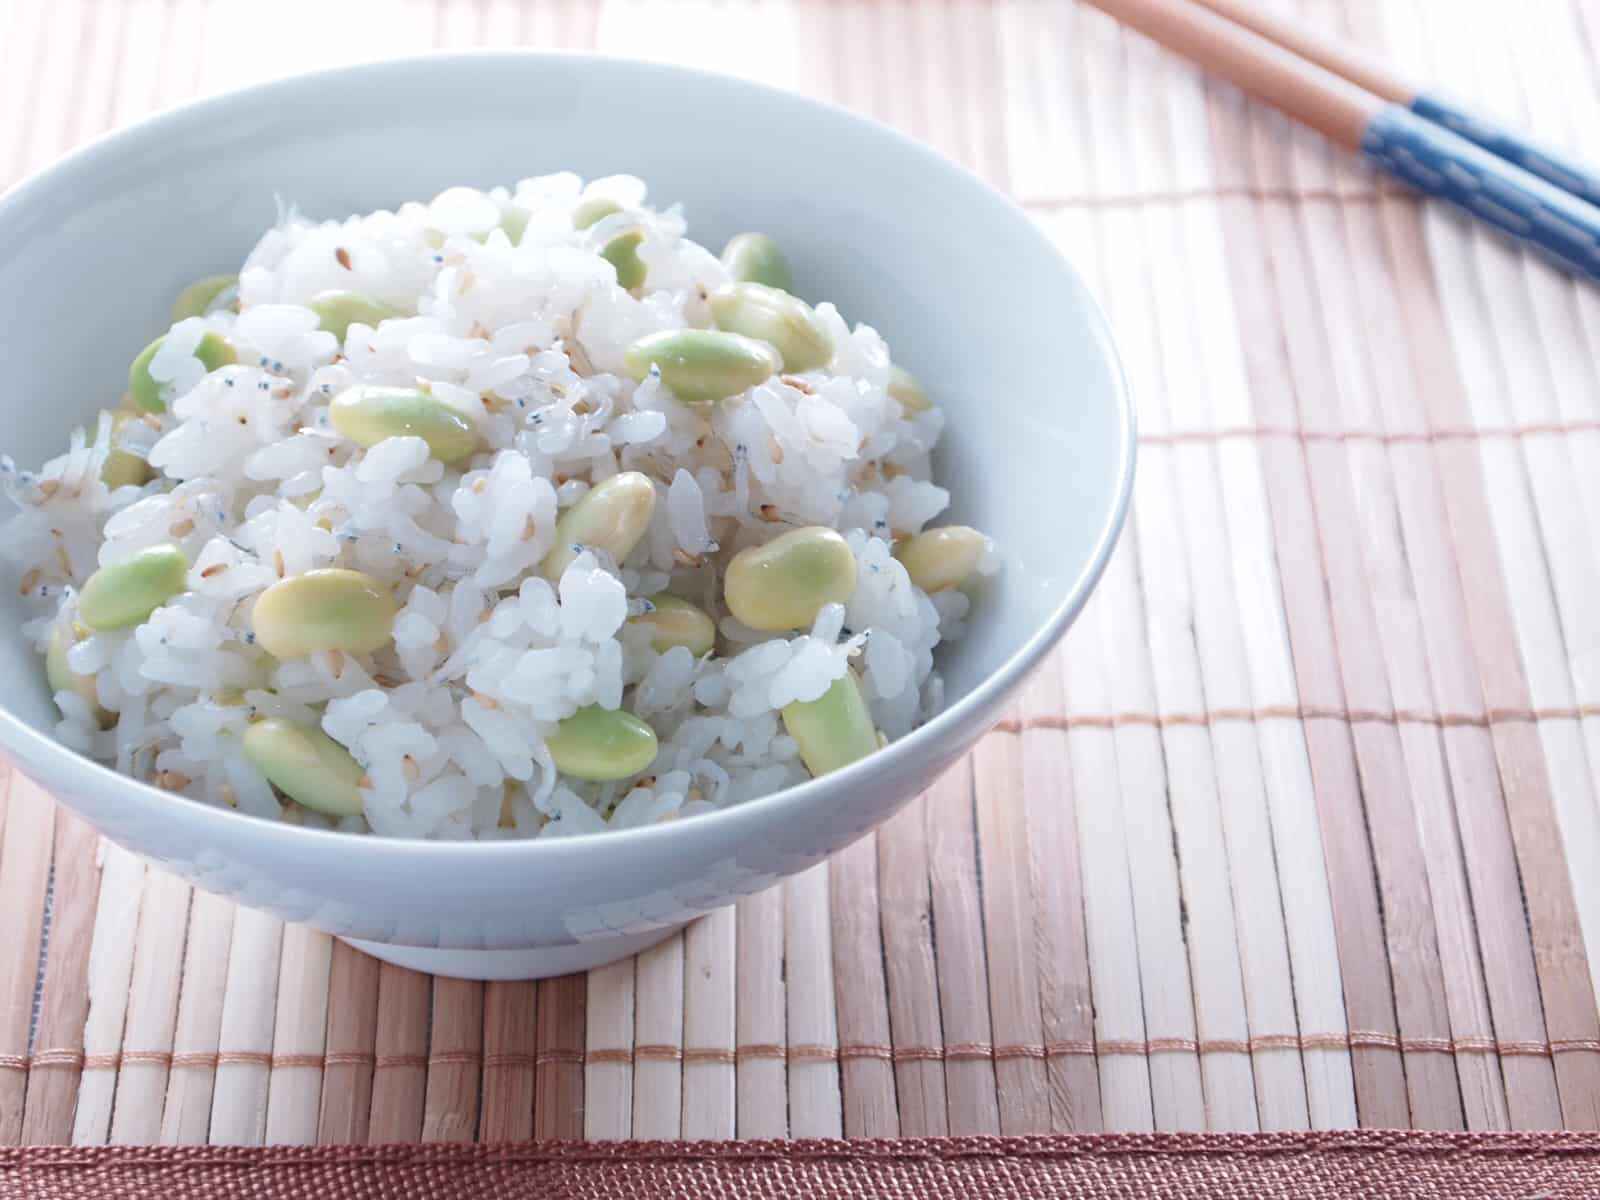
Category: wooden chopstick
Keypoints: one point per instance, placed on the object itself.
(1337, 108)
(1344, 60)
(1553, 166)
(1428, 143)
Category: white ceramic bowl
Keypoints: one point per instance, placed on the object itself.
(1039, 450)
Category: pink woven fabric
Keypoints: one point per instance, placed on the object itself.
(1316, 1166)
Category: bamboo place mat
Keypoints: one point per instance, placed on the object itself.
(1299, 829)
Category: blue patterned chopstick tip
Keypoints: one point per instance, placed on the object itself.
(1432, 159)
(1547, 163)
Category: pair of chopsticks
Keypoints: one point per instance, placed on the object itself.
(1531, 192)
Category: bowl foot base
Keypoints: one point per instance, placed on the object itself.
(535, 962)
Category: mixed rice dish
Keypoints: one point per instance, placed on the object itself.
(515, 513)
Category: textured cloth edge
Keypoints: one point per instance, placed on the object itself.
(1397, 1142)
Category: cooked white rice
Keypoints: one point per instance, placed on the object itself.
(526, 339)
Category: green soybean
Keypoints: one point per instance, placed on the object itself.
(611, 516)
(337, 311)
(214, 351)
(515, 222)
(306, 765)
(673, 621)
(833, 730)
(622, 252)
(123, 468)
(594, 210)
(326, 609)
(63, 678)
(195, 300)
(602, 744)
(755, 258)
(702, 366)
(123, 594)
(775, 317)
(940, 559)
(368, 413)
(905, 388)
(784, 584)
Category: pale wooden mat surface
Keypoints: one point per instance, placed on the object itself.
(1300, 828)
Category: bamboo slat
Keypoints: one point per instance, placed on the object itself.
(152, 1014)
(761, 1037)
(191, 1084)
(906, 917)
(969, 1076)
(608, 1069)
(558, 1104)
(348, 1070)
(122, 879)
(861, 999)
(64, 993)
(815, 1104)
(710, 967)
(24, 876)
(400, 1072)
(1118, 1004)
(658, 1042)
(510, 1044)
(1016, 1017)
(455, 1062)
(299, 1037)
(1066, 1007)
(249, 1010)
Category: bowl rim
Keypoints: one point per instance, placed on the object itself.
(920, 741)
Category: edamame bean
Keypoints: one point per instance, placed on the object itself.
(602, 744)
(622, 252)
(63, 678)
(214, 351)
(904, 387)
(594, 210)
(755, 258)
(123, 594)
(515, 222)
(833, 730)
(939, 559)
(306, 765)
(123, 468)
(611, 516)
(785, 583)
(326, 609)
(337, 311)
(369, 413)
(673, 621)
(775, 317)
(702, 366)
(195, 300)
